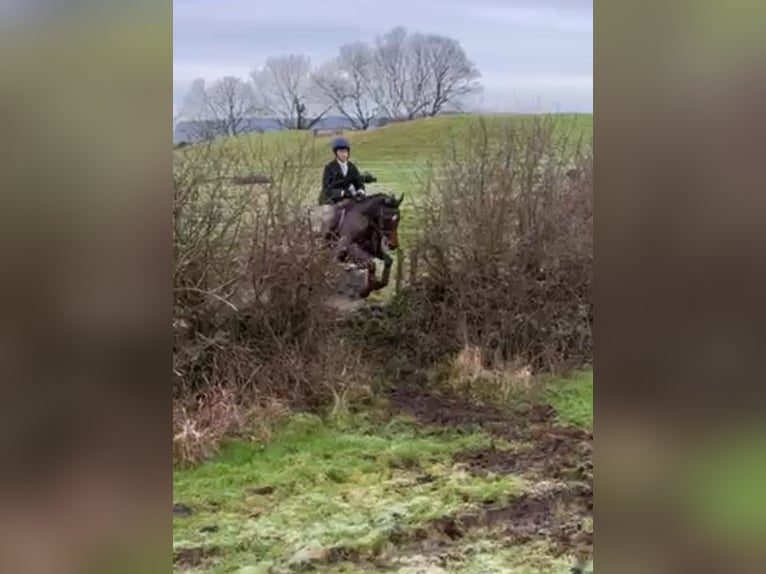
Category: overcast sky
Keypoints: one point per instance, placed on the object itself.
(534, 55)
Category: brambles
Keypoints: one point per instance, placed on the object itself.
(502, 229)
(506, 238)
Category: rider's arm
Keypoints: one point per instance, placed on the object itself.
(356, 178)
(327, 178)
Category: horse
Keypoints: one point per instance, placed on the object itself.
(362, 229)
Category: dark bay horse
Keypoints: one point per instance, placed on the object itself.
(362, 230)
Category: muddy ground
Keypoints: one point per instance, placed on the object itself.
(556, 510)
(557, 458)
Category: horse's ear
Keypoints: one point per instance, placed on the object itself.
(399, 201)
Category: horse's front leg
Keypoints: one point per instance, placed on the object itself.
(360, 257)
(387, 264)
(372, 280)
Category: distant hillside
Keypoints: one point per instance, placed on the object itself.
(397, 153)
(405, 141)
(189, 131)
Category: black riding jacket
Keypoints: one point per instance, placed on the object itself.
(334, 184)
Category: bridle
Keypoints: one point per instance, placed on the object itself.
(377, 227)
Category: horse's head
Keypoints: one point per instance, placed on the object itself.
(386, 217)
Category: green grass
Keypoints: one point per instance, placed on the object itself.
(332, 488)
(410, 142)
(396, 154)
(721, 485)
(572, 398)
(352, 484)
(479, 557)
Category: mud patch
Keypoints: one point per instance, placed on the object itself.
(556, 516)
(188, 558)
(528, 422)
(434, 409)
(557, 453)
(183, 510)
(561, 455)
(261, 490)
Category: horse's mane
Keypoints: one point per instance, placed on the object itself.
(377, 196)
(374, 200)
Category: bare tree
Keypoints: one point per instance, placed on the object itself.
(195, 121)
(347, 83)
(417, 76)
(284, 90)
(452, 76)
(390, 72)
(220, 109)
(420, 74)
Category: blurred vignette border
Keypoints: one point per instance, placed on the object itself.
(86, 98)
(85, 340)
(679, 337)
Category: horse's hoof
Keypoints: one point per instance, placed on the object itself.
(367, 291)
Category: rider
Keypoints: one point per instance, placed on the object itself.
(341, 178)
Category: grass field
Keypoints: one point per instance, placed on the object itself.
(398, 153)
(414, 485)
(380, 494)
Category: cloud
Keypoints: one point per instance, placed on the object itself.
(538, 93)
(541, 17)
(520, 46)
(542, 81)
(186, 72)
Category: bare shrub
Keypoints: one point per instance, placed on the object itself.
(250, 283)
(202, 422)
(506, 240)
(467, 375)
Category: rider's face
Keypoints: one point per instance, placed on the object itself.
(342, 154)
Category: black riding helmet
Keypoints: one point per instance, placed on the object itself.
(340, 143)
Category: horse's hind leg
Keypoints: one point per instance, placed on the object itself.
(372, 281)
